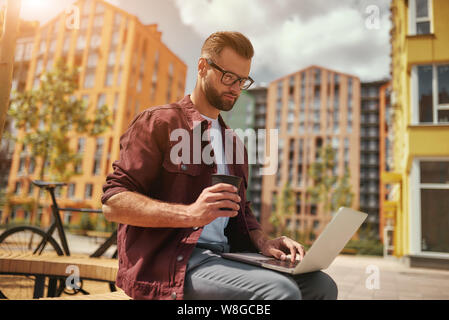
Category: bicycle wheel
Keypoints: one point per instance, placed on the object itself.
(26, 239)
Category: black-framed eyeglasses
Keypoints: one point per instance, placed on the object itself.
(228, 78)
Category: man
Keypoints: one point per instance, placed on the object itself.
(170, 223)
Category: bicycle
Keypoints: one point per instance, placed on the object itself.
(34, 240)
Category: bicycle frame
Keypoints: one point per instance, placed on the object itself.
(57, 224)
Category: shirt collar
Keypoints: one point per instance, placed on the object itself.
(193, 114)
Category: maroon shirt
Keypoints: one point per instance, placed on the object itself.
(152, 261)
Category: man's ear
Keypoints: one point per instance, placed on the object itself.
(202, 67)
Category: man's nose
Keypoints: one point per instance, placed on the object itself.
(235, 87)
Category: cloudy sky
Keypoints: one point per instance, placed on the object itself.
(350, 36)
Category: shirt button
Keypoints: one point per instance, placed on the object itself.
(179, 258)
(173, 295)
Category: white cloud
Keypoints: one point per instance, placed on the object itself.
(289, 35)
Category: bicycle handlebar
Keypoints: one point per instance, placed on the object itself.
(43, 184)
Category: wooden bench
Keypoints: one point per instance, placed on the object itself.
(52, 266)
(117, 295)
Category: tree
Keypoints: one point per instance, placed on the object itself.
(48, 116)
(328, 189)
(46, 119)
(285, 208)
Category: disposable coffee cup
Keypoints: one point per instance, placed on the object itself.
(229, 179)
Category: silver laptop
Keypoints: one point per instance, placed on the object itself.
(323, 251)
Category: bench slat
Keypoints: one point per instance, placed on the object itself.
(90, 268)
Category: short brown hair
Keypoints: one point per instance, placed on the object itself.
(215, 43)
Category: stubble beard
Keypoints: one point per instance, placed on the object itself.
(216, 100)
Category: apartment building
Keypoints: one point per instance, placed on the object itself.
(370, 152)
(419, 177)
(123, 64)
(311, 108)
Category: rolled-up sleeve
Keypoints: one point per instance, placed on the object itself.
(141, 154)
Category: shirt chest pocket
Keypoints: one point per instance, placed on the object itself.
(182, 169)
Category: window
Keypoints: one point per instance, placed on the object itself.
(98, 21)
(19, 51)
(89, 78)
(28, 51)
(433, 194)
(52, 46)
(66, 45)
(298, 203)
(95, 41)
(420, 21)
(81, 43)
(71, 191)
(154, 78)
(80, 151)
(92, 60)
(17, 188)
(430, 94)
(88, 191)
(97, 157)
(109, 77)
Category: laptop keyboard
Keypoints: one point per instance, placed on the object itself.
(281, 263)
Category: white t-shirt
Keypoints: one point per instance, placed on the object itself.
(214, 231)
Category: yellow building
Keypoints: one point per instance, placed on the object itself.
(418, 201)
(123, 63)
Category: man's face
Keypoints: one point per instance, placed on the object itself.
(219, 95)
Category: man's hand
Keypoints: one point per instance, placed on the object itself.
(207, 207)
(280, 246)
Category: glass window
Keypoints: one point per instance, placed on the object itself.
(84, 23)
(92, 60)
(111, 58)
(95, 41)
(109, 77)
(101, 100)
(443, 84)
(89, 79)
(98, 156)
(87, 6)
(434, 220)
(422, 17)
(88, 191)
(81, 43)
(425, 93)
(422, 9)
(71, 191)
(423, 27)
(19, 52)
(435, 172)
(28, 51)
(66, 45)
(98, 22)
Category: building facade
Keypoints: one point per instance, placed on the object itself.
(26, 32)
(311, 108)
(123, 64)
(419, 177)
(370, 152)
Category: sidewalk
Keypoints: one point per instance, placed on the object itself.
(396, 281)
